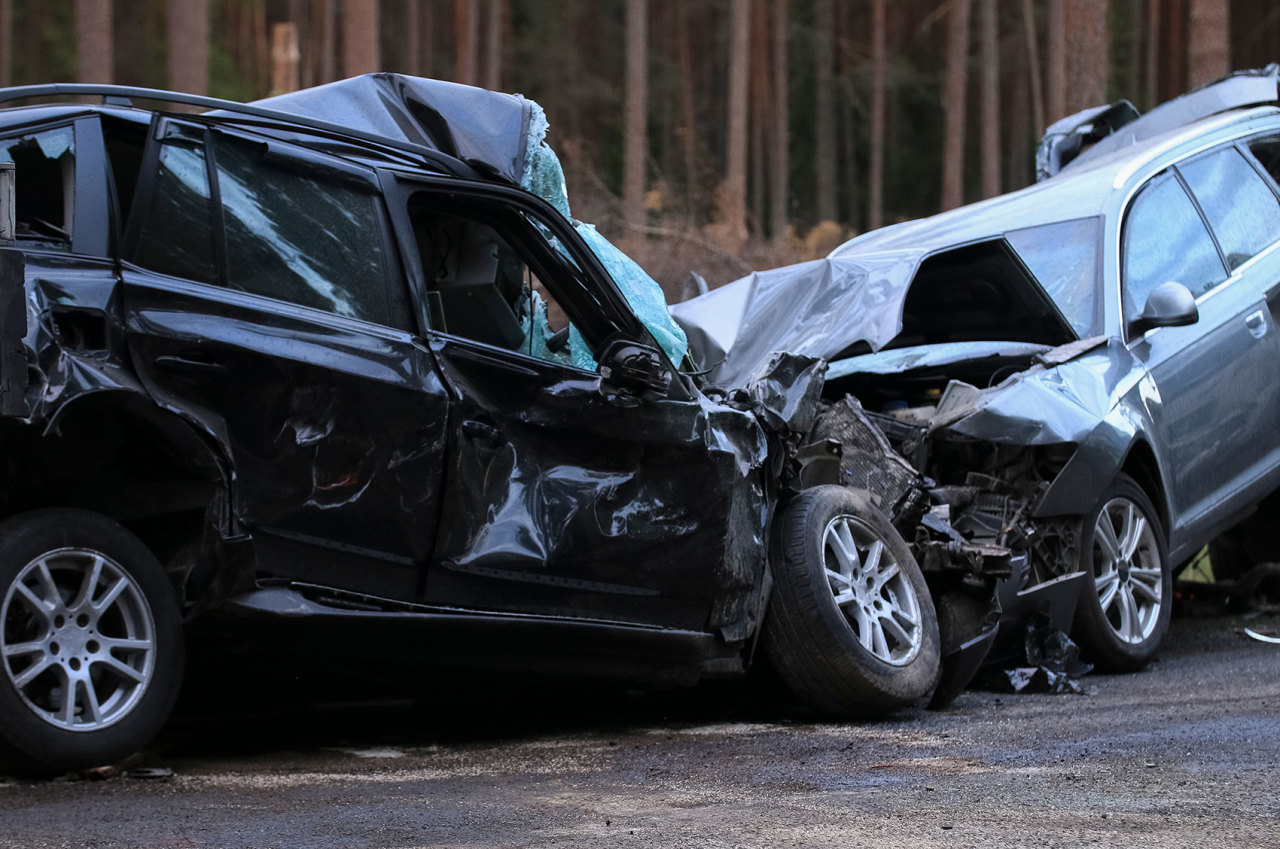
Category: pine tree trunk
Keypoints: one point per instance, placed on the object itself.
(953, 105)
(990, 139)
(779, 141)
(94, 56)
(1088, 54)
(466, 26)
(636, 136)
(1056, 84)
(188, 27)
(688, 109)
(1034, 70)
(733, 201)
(6, 42)
(1153, 54)
(824, 129)
(494, 44)
(1209, 50)
(875, 156)
(360, 37)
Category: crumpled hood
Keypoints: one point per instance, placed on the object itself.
(481, 127)
(819, 308)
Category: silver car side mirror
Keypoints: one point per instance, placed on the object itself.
(1169, 305)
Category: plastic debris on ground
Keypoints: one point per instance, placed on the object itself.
(1053, 664)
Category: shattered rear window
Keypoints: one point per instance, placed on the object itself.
(44, 185)
(1063, 256)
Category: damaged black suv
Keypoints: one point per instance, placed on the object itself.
(342, 362)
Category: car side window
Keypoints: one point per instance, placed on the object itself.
(1267, 151)
(176, 237)
(1162, 218)
(302, 234)
(289, 230)
(44, 185)
(480, 287)
(1242, 210)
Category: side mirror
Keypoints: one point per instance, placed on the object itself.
(635, 368)
(1169, 305)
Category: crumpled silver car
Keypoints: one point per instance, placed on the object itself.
(1084, 369)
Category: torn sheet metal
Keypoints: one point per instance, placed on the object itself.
(819, 308)
(478, 126)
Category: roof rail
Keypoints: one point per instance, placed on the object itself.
(111, 94)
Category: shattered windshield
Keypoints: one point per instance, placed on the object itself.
(1063, 256)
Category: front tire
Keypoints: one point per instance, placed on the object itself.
(851, 628)
(90, 642)
(1123, 615)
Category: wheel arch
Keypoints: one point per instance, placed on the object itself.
(119, 454)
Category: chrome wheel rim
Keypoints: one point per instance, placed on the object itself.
(1127, 571)
(872, 591)
(77, 639)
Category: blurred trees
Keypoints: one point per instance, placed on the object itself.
(732, 124)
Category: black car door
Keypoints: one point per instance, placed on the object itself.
(569, 494)
(264, 302)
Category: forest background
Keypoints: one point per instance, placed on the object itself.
(715, 136)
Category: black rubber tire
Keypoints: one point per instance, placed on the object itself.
(30, 745)
(1093, 630)
(808, 637)
(1235, 552)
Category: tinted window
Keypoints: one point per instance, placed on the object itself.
(1165, 239)
(1064, 258)
(1240, 206)
(311, 237)
(1268, 153)
(177, 236)
(44, 185)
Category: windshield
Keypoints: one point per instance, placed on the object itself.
(1063, 256)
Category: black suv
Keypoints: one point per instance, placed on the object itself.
(328, 363)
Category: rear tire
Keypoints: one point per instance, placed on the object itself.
(91, 648)
(1123, 613)
(851, 628)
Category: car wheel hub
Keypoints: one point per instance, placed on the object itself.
(872, 591)
(1127, 571)
(77, 639)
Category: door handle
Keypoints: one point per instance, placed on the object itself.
(190, 362)
(1257, 323)
(480, 430)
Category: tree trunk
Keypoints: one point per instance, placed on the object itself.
(325, 33)
(824, 129)
(1033, 66)
(284, 57)
(990, 138)
(1153, 54)
(94, 57)
(1056, 84)
(688, 109)
(875, 157)
(188, 26)
(495, 27)
(6, 42)
(413, 37)
(953, 105)
(636, 136)
(360, 37)
(779, 140)
(733, 201)
(1209, 50)
(466, 30)
(1088, 54)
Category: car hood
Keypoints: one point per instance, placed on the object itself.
(486, 129)
(820, 309)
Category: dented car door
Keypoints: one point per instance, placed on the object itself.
(263, 300)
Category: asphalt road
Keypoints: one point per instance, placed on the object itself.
(1186, 753)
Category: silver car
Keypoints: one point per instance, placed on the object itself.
(1085, 370)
